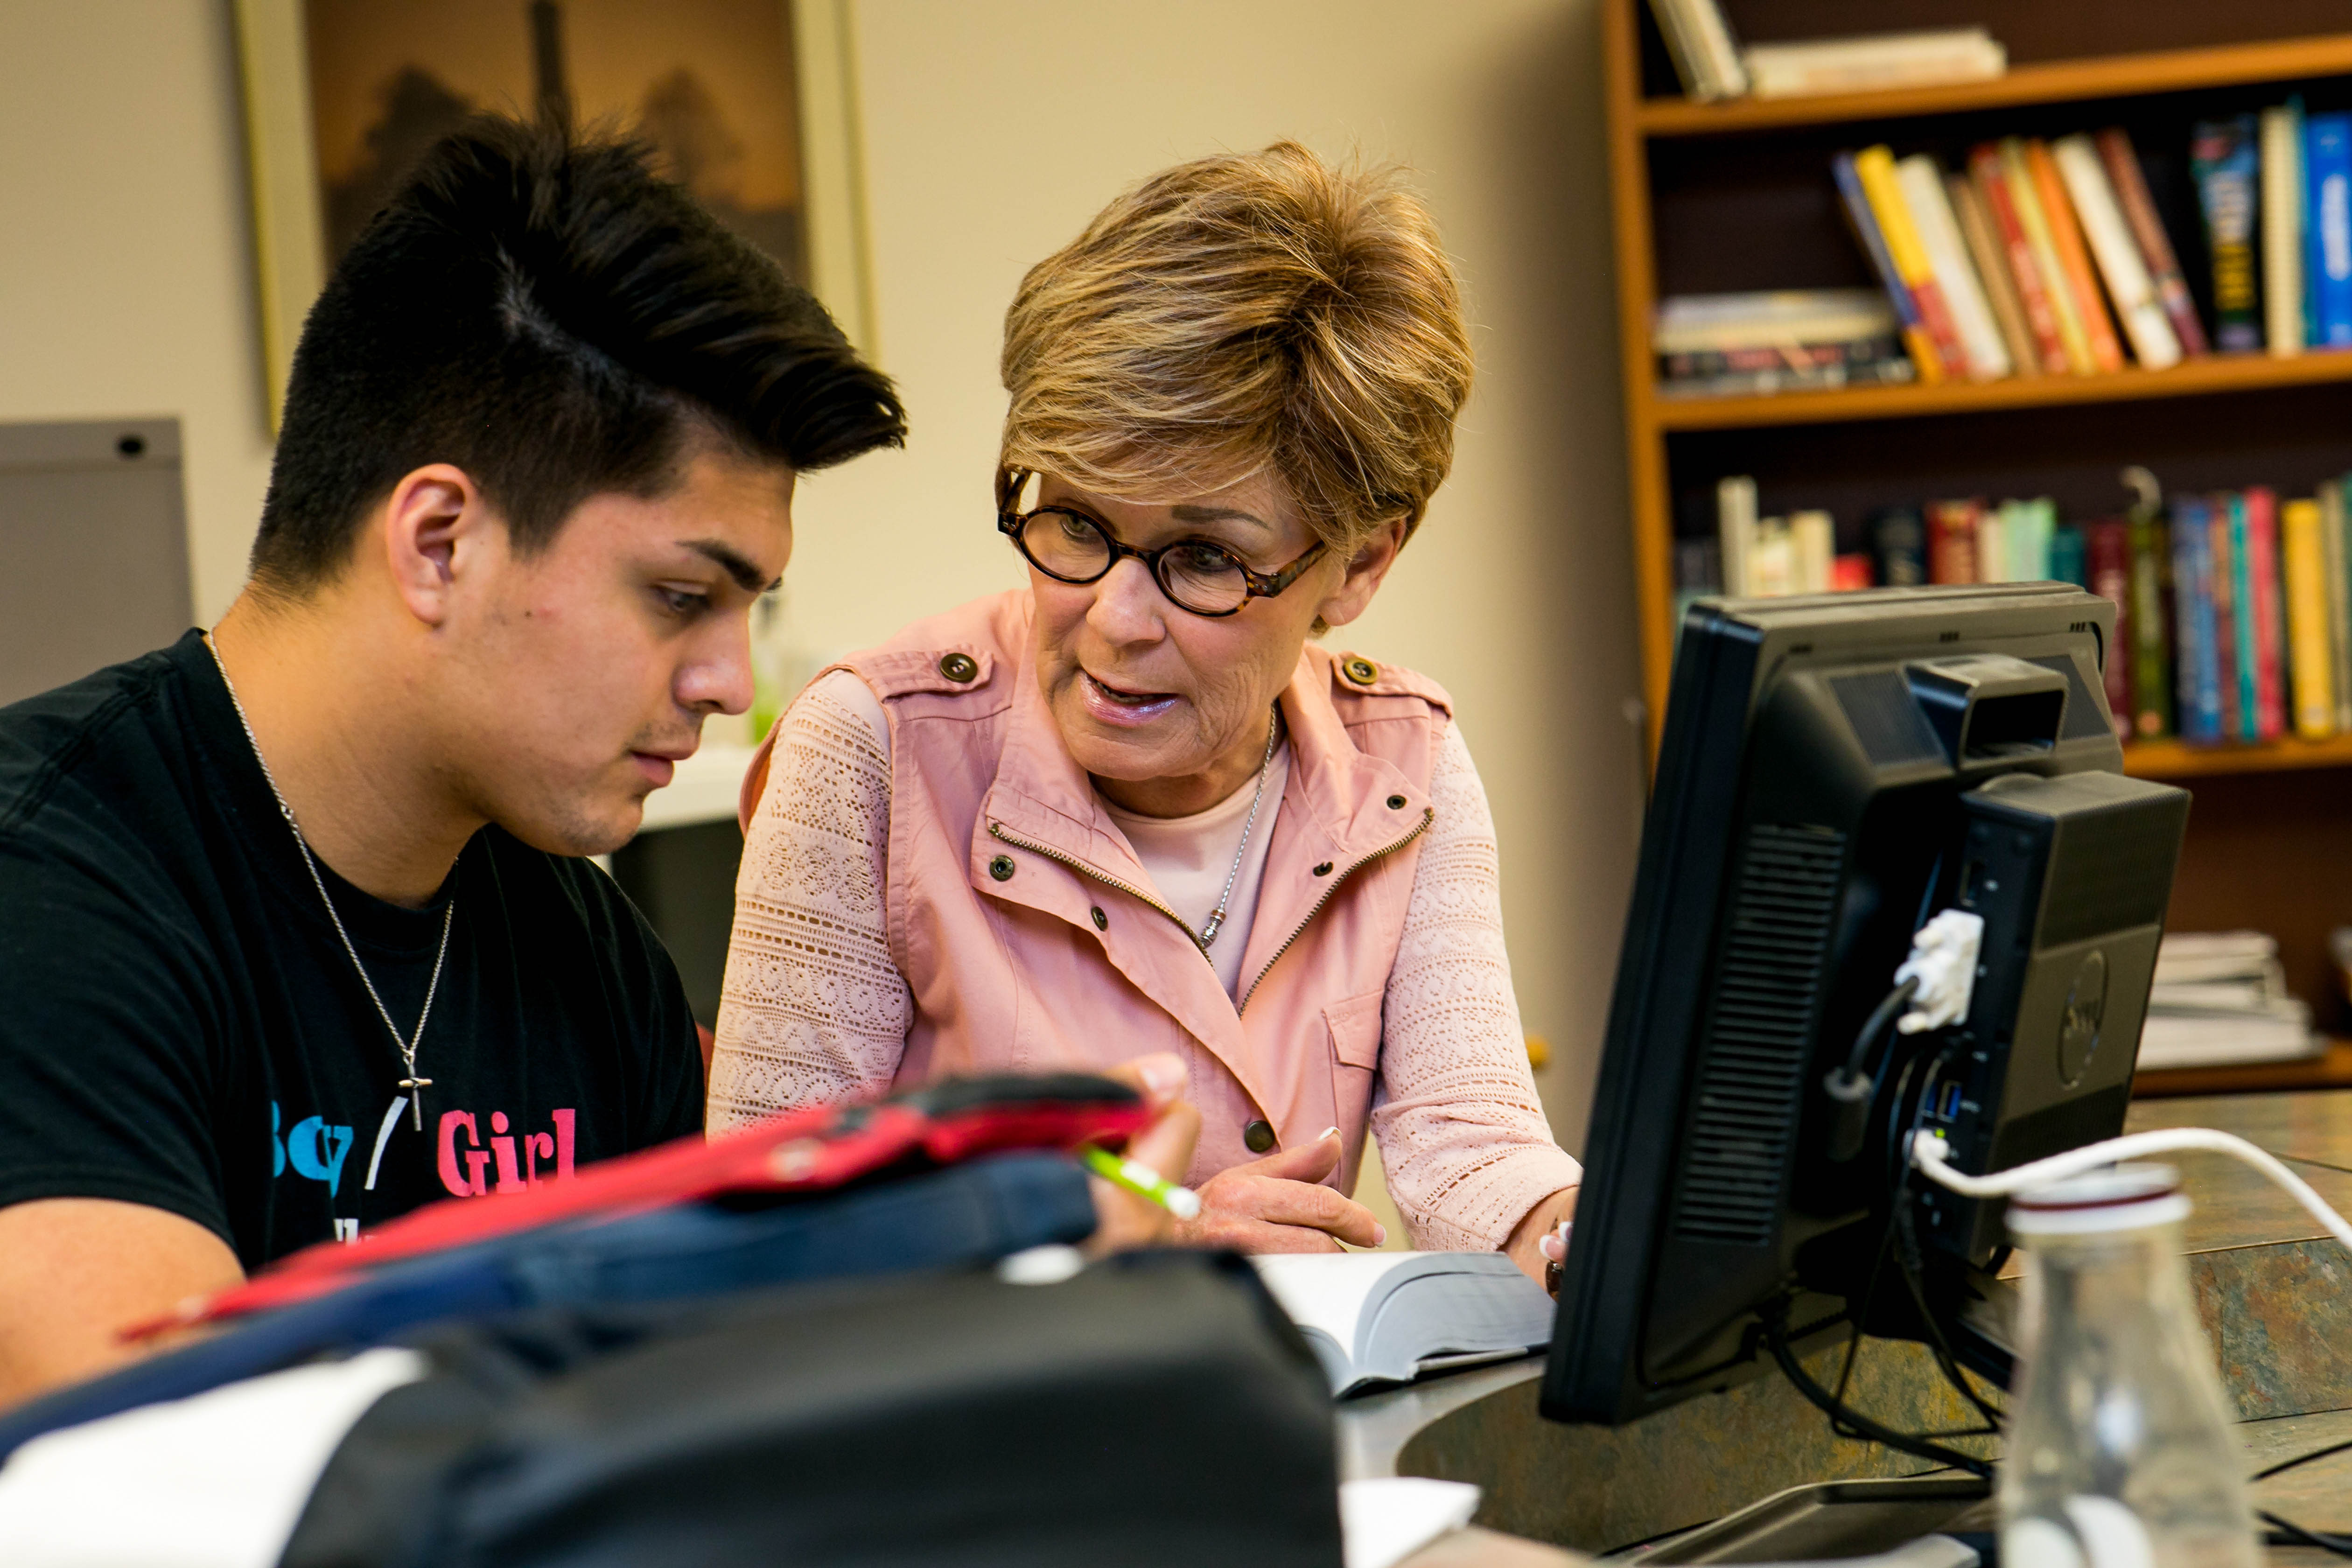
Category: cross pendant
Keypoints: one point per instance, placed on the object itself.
(416, 1088)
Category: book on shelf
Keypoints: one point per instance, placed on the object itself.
(1898, 543)
(1718, 344)
(1735, 526)
(2282, 229)
(2258, 571)
(1705, 50)
(1771, 560)
(2129, 182)
(2082, 286)
(2225, 161)
(2109, 543)
(2311, 659)
(1952, 541)
(2336, 566)
(2327, 219)
(1854, 202)
(1876, 63)
(2153, 342)
(2149, 647)
(1990, 178)
(1992, 271)
(2069, 554)
(2196, 664)
(1875, 167)
(1921, 182)
(2221, 998)
(2017, 180)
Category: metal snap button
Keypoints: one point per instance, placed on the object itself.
(1396, 802)
(1000, 868)
(1362, 671)
(1259, 1136)
(958, 667)
(1102, 920)
(1323, 869)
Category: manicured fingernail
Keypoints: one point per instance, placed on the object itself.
(1327, 1132)
(1551, 1247)
(1379, 1234)
(1162, 1074)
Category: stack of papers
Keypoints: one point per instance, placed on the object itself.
(1873, 64)
(2221, 999)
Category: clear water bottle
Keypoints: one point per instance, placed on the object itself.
(2119, 1452)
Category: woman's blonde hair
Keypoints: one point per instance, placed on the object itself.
(1238, 314)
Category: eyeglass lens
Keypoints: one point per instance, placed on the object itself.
(1199, 577)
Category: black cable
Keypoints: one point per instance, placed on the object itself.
(2285, 1533)
(2285, 1465)
(1908, 1261)
(1775, 1334)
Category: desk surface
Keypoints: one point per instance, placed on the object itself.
(2270, 1286)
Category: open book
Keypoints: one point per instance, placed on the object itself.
(1390, 1316)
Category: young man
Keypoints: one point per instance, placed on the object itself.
(292, 933)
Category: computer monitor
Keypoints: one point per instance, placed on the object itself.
(1836, 771)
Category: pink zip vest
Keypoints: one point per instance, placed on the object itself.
(1027, 931)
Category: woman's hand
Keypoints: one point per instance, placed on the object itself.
(1122, 1220)
(1278, 1204)
(1541, 1236)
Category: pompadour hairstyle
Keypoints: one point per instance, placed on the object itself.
(1241, 313)
(543, 311)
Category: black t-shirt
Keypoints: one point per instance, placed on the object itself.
(180, 1026)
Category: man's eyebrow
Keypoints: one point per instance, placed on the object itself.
(748, 577)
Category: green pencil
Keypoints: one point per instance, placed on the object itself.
(1141, 1180)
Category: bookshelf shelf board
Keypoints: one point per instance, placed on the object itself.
(2172, 760)
(2058, 81)
(2332, 1069)
(2190, 378)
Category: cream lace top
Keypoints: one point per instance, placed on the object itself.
(814, 1010)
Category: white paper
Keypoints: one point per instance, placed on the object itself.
(216, 1481)
(1386, 1521)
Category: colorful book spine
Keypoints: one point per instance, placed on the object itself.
(2073, 261)
(1952, 541)
(1876, 167)
(1922, 184)
(2327, 249)
(2069, 557)
(2018, 179)
(1898, 537)
(2262, 604)
(2282, 225)
(2230, 667)
(2151, 623)
(2130, 184)
(1735, 530)
(2109, 545)
(1992, 542)
(2130, 287)
(2222, 157)
(2197, 639)
(2335, 552)
(1990, 176)
(2308, 616)
(1992, 271)
(1864, 224)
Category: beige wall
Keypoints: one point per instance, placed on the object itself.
(992, 131)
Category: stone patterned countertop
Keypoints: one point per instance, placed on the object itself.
(2271, 1288)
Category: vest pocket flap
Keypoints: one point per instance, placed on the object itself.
(903, 672)
(1355, 1025)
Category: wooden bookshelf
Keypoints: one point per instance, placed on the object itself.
(1720, 198)
(2056, 81)
(2189, 378)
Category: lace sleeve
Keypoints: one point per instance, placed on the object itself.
(814, 1011)
(1461, 1129)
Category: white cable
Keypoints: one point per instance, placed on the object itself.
(1932, 1155)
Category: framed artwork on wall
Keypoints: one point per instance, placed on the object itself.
(750, 104)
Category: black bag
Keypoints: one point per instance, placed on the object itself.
(1157, 1408)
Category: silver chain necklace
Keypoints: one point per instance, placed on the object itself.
(412, 1084)
(1217, 916)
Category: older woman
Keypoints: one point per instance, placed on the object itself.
(1132, 807)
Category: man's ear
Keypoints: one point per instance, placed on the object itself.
(1366, 571)
(434, 525)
